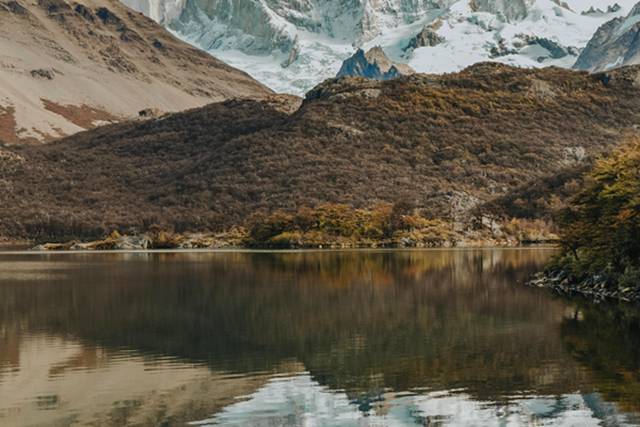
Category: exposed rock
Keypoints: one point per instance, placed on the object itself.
(374, 64)
(54, 7)
(14, 7)
(107, 17)
(42, 73)
(626, 76)
(610, 9)
(615, 44)
(428, 37)
(150, 113)
(343, 88)
(614, 8)
(155, 240)
(501, 49)
(542, 90)
(510, 10)
(294, 52)
(85, 12)
(460, 203)
(574, 155)
(594, 288)
(158, 44)
(556, 50)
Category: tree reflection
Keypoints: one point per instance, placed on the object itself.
(363, 322)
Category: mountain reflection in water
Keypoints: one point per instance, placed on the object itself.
(442, 337)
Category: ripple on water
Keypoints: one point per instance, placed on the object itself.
(323, 338)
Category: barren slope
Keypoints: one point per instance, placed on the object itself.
(67, 66)
(446, 143)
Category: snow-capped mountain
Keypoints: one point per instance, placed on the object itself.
(291, 45)
(616, 43)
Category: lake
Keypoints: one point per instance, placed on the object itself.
(343, 338)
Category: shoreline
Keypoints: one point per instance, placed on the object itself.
(591, 289)
(238, 240)
(38, 249)
(3, 251)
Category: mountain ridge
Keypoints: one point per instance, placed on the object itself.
(615, 44)
(291, 46)
(66, 67)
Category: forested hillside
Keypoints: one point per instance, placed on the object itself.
(442, 145)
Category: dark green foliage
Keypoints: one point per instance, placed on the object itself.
(601, 228)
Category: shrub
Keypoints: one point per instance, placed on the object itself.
(601, 228)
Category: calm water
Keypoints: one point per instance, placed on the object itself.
(397, 338)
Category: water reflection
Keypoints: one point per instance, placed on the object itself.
(299, 400)
(61, 381)
(326, 338)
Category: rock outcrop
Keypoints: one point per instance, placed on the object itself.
(592, 11)
(615, 44)
(374, 64)
(509, 10)
(428, 37)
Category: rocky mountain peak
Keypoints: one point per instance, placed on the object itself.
(373, 64)
(615, 44)
(509, 10)
(427, 37)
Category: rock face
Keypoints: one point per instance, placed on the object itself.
(265, 25)
(428, 37)
(69, 66)
(508, 10)
(292, 45)
(615, 44)
(610, 9)
(374, 64)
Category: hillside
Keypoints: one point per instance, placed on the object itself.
(442, 144)
(68, 66)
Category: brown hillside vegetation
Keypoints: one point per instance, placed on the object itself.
(441, 144)
(542, 198)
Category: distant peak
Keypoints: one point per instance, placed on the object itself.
(373, 64)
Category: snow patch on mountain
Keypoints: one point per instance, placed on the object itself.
(291, 45)
(473, 36)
